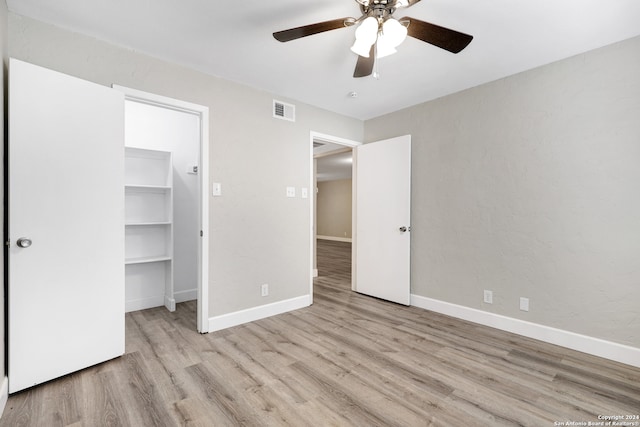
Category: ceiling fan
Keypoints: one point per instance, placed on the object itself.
(379, 33)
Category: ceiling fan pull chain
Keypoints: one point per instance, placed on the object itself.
(376, 73)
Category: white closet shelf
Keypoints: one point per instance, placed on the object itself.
(143, 260)
(142, 224)
(148, 228)
(147, 187)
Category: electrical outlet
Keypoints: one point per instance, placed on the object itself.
(264, 291)
(488, 296)
(524, 304)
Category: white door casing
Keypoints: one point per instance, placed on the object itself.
(65, 189)
(320, 137)
(382, 219)
(202, 112)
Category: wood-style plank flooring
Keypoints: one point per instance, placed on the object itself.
(348, 360)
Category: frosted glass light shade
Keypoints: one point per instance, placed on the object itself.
(394, 32)
(392, 35)
(361, 48)
(384, 48)
(366, 35)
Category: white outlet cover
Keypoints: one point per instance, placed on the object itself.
(488, 297)
(524, 304)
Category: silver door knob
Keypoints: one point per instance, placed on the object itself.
(24, 242)
(404, 229)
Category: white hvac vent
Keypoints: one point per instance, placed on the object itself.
(284, 111)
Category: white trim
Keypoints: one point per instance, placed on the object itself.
(4, 394)
(160, 300)
(335, 239)
(188, 295)
(144, 303)
(317, 136)
(256, 313)
(203, 249)
(170, 303)
(586, 344)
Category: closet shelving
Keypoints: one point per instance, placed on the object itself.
(148, 229)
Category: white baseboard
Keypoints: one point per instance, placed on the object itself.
(4, 394)
(586, 344)
(251, 314)
(188, 295)
(143, 303)
(170, 303)
(335, 239)
(160, 300)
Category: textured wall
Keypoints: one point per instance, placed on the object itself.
(529, 186)
(258, 235)
(334, 208)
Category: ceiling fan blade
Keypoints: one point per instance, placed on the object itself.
(364, 66)
(405, 3)
(311, 29)
(444, 38)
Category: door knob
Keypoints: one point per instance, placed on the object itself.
(24, 242)
(404, 229)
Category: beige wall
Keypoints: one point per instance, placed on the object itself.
(3, 118)
(530, 186)
(258, 235)
(334, 209)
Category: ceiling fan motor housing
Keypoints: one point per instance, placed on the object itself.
(380, 9)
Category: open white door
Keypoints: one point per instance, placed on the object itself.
(66, 224)
(382, 209)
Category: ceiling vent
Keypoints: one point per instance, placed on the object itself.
(284, 111)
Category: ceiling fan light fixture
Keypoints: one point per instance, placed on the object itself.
(394, 32)
(366, 35)
(361, 48)
(392, 35)
(384, 49)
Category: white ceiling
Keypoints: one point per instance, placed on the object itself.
(233, 40)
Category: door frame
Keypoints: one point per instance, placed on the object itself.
(203, 179)
(317, 136)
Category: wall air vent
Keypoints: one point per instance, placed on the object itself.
(284, 111)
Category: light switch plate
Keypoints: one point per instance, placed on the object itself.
(216, 189)
(291, 191)
(304, 192)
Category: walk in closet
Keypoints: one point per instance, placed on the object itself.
(162, 230)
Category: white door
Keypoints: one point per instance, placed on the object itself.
(383, 211)
(66, 216)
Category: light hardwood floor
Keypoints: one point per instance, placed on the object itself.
(349, 360)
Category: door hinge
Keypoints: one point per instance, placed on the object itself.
(8, 243)
(201, 233)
